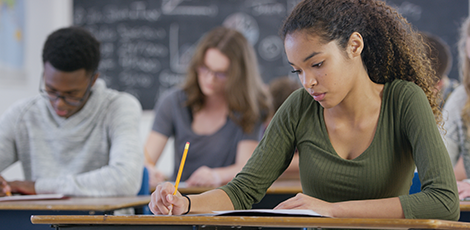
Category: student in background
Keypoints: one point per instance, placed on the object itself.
(220, 110)
(457, 112)
(280, 89)
(441, 60)
(366, 117)
(77, 137)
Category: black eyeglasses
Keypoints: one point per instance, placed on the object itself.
(205, 70)
(53, 96)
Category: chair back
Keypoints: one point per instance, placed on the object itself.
(144, 190)
(416, 185)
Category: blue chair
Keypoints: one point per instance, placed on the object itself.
(144, 190)
(416, 185)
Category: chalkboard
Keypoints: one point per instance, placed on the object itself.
(439, 17)
(147, 44)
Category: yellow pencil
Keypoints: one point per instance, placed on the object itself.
(180, 171)
(8, 193)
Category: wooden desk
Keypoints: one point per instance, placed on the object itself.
(90, 204)
(465, 206)
(17, 214)
(188, 222)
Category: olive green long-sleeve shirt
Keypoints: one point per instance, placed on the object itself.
(406, 135)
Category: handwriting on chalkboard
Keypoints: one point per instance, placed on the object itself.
(146, 45)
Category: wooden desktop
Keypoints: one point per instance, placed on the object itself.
(238, 222)
(89, 204)
(17, 214)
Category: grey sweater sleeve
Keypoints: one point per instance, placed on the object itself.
(8, 153)
(123, 175)
(454, 135)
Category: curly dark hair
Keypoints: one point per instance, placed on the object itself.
(72, 48)
(392, 47)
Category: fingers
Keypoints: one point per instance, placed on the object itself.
(198, 177)
(159, 203)
(23, 187)
(464, 194)
(204, 177)
(291, 203)
(160, 176)
(464, 190)
(197, 182)
(178, 204)
(163, 202)
(156, 178)
(5, 189)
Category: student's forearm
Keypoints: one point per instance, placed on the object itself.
(380, 208)
(213, 200)
(154, 147)
(459, 170)
(244, 151)
(226, 174)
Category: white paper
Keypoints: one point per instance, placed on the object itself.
(33, 197)
(268, 212)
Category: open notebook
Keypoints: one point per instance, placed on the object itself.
(269, 212)
(33, 197)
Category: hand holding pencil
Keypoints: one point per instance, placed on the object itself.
(164, 200)
(180, 172)
(5, 189)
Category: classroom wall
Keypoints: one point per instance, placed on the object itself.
(42, 18)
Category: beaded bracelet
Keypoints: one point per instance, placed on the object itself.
(189, 205)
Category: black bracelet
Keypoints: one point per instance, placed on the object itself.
(189, 205)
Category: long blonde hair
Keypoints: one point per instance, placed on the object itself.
(247, 99)
(464, 67)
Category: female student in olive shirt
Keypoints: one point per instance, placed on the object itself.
(366, 116)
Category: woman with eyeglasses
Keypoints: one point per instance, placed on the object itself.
(219, 109)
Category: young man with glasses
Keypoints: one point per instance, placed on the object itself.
(77, 137)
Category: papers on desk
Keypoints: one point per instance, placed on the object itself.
(269, 212)
(181, 185)
(33, 197)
